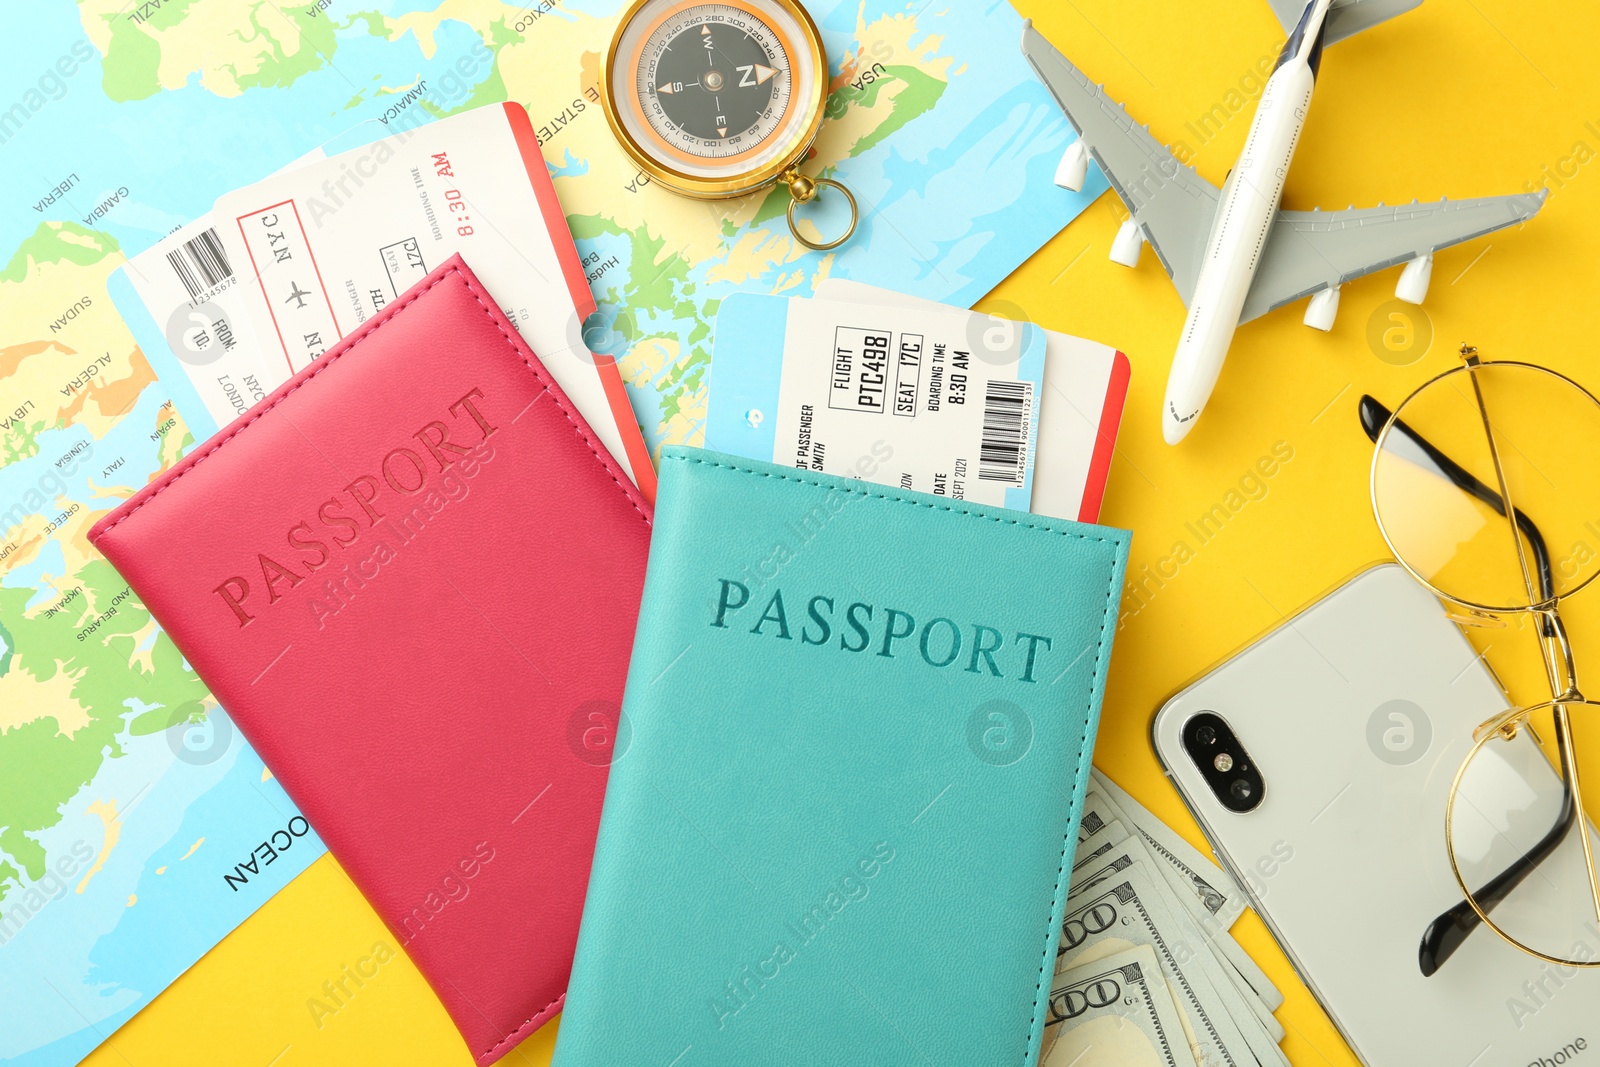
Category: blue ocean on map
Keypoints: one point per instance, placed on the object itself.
(177, 151)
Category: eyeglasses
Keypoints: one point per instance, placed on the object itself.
(1477, 476)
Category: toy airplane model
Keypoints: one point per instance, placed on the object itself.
(1232, 254)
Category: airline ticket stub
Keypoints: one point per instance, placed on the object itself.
(327, 246)
(932, 400)
(1080, 407)
(194, 318)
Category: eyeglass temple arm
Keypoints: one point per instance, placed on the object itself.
(1373, 418)
(1449, 931)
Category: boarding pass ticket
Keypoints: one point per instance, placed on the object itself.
(325, 247)
(195, 309)
(929, 399)
(1080, 407)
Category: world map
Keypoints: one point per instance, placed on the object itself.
(126, 799)
(135, 824)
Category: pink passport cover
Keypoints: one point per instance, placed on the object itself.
(411, 576)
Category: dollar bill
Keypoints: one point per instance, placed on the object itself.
(1115, 1012)
(1087, 853)
(1103, 861)
(1109, 860)
(1104, 813)
(1248, 975)
(1108, 831)
(1119, 913)
(1089, 825)
(1218, 892)
(1220, 900)
(1194, 948)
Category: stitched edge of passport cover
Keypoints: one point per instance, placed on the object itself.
(455, 268)
(1117, 542)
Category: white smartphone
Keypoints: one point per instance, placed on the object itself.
(1348, 723)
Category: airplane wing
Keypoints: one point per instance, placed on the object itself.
(1312, 250)
(1172, 205)
(1346, 18)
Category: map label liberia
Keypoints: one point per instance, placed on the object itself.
(61, 189)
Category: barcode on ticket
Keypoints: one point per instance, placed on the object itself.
(200, 263)
(1007, 412)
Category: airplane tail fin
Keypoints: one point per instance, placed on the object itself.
(1346, 18)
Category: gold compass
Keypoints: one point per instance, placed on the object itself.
(718, 100)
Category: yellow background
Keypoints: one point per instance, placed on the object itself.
(1459, 98)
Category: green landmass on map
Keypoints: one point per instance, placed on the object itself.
(58, 242)
(922, 92)
(46, 766)
(67, 702)
(233, 47)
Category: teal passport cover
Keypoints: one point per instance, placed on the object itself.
(847, 778)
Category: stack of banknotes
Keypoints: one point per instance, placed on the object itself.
(1146, 972)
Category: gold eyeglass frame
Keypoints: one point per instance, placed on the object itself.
(1553, 639)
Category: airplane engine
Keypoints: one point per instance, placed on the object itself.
(1074, 167)
(1323, 309)
(1127, 245)
(1413, 284)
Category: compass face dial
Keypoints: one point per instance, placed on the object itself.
(716, 91)
(715, 81)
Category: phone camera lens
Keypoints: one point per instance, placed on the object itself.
(1227, 768)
